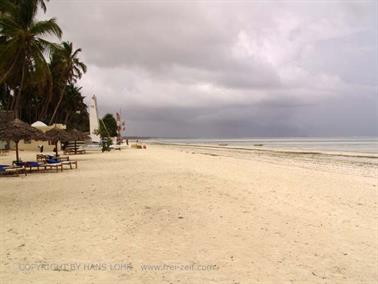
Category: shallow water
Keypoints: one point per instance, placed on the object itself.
(349, 145)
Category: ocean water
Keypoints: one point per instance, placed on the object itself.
(345, 145)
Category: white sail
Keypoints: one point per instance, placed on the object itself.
(93, 120)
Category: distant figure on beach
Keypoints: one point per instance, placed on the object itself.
(40, 148)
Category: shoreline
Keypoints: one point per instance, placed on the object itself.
(274, 150)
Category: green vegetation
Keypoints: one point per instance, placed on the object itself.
(107, 129)
(108, 126)
(106, 143)
(38, 77)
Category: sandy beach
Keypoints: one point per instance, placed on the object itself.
(181, 214)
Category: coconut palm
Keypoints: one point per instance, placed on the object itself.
(42, 4)
(4, 5)
(23, 45)
(72, 103)
(66, 63)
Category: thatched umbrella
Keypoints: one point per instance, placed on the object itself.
(17, 130)
(78, 136)
(56, 135)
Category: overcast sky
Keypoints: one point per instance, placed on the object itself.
(230, 68)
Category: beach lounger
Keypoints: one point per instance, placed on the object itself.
(6, 170)
(60, 158)
(72, 151)
(56, 162)
(63, 162)
(43, 157)
(30, 166)
(34, 166)
(53, 164)
(48, 164)
(70, 164)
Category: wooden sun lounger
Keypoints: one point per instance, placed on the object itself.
(64, 158)
(56, 166)
(72, 151)
(43, 158)
(35, 168)
(49, 166)
(13, 171)
(70, 164)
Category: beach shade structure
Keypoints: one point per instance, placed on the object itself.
(56, 135)
(17, 130)
(78, 136)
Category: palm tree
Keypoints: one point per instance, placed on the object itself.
(22, 45)
(4, 5)
(5, 97)
(66, 63)
(72, 103)
(42, 4)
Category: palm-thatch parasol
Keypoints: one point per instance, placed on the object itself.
(78, 136)
(56, 135)
(17, 130)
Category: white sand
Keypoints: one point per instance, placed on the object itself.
(258, 217)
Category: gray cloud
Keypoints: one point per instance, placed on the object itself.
(240, 68)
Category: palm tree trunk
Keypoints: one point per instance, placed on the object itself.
(10, 102)
(16, 107)
(44, 107)
(67, 117)
(58, 105)
(10, 69)
(17, 156)
(43, 113)
(7, 73)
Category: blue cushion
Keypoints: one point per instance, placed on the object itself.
(52, 161)
(2, 169)
(32, 164)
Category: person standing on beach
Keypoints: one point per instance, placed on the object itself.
(40, 148)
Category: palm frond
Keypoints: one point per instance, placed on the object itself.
(83, 67)
(7, 7)
(77, 51)
(42, 71)
(9, 27)
(42, 4)
(49, 47)
(26, 12)
(43, 28)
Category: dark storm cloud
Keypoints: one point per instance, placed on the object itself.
(229, 68)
